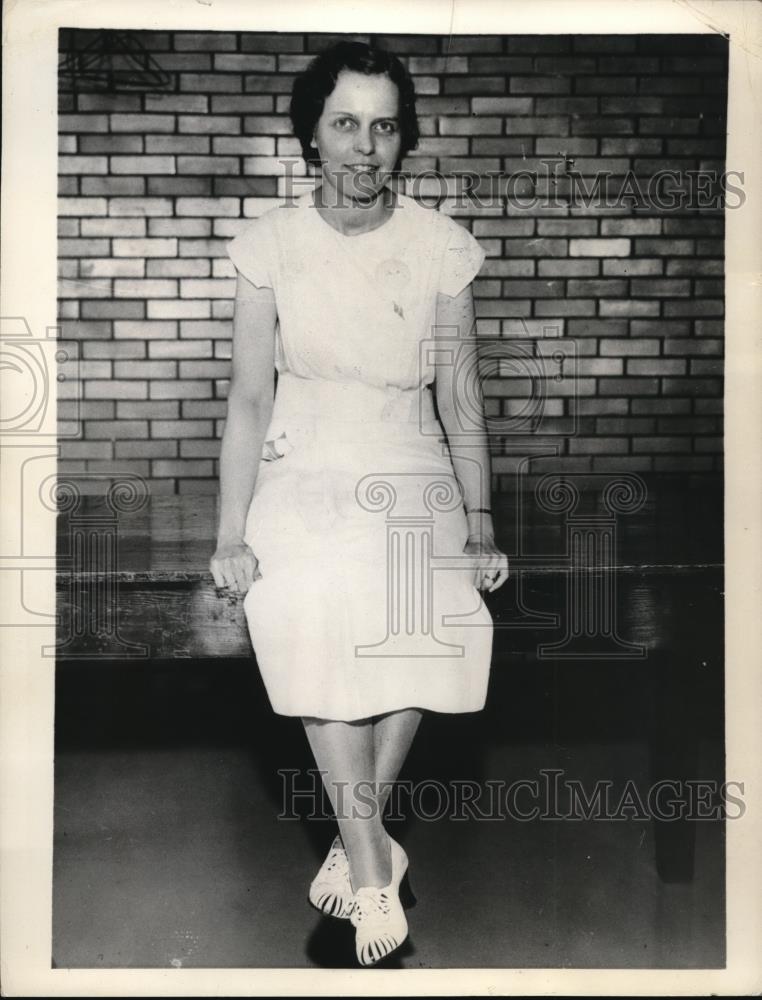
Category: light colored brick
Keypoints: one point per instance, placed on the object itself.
(173, 144)
(535, 328)
(225, 165)
(192, 288)
(110, 268)
(87, 288)
(82, 248)
(181, 389)
(203, 248)
(143, 164)
(144, 330)
(94, 369)
(189, 267)
(114, 227)
(116, 389)
(145, 247)
(621, 347)
(581, 247)
(174, 309)
(85, 449)
(135, 207)
(476, 126)
(82, 206)
(180, 349)
(145, 369)
(113, 310)
(204, 369)
(113, 349)
(141, 410)
(110, 429)
(274, 166)
(181, 467)
(209, 448)
(212, 408)
(214, 207)
(223, 309)
(583, 268)
(179, 227)
(243, 145)
(193, 329)
(146, 449)
(600, 366)
(82, 165)
(181, 428)
(146, 288)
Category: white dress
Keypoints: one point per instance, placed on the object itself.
(365, 604)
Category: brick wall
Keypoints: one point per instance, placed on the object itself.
(154, 182)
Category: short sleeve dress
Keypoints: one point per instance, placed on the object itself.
(366, 603)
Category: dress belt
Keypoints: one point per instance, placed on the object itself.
(353, 402)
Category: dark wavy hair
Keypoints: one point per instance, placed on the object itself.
(319, 79)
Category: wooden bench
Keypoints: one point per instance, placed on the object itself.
(599, 575)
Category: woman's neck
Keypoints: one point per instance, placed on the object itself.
(350, 216)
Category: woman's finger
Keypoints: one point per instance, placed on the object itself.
(239, 574)
(216, 573)
(502, 576)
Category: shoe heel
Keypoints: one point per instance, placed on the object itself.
(406, 894)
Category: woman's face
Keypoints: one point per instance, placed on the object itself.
(358, 135)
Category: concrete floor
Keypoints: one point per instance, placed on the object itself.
(169, 852)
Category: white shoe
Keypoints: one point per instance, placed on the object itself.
(331, 890)
(377, 914)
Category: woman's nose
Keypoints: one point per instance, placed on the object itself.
(364, 141)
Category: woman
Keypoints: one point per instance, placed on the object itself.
(359, 538)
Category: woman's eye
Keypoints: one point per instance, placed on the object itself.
(344, 123)
(386, 127)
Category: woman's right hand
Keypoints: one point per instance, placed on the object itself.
(234, 565)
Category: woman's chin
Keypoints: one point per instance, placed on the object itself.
(362, 189)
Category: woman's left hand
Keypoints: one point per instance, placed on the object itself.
(491, 564)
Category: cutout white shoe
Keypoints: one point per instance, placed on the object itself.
(378, 915)
(331, 890)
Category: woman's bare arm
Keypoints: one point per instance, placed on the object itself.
(462, 417)
(249, 409)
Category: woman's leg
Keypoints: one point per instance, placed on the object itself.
(392, 738)
(345, 754)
